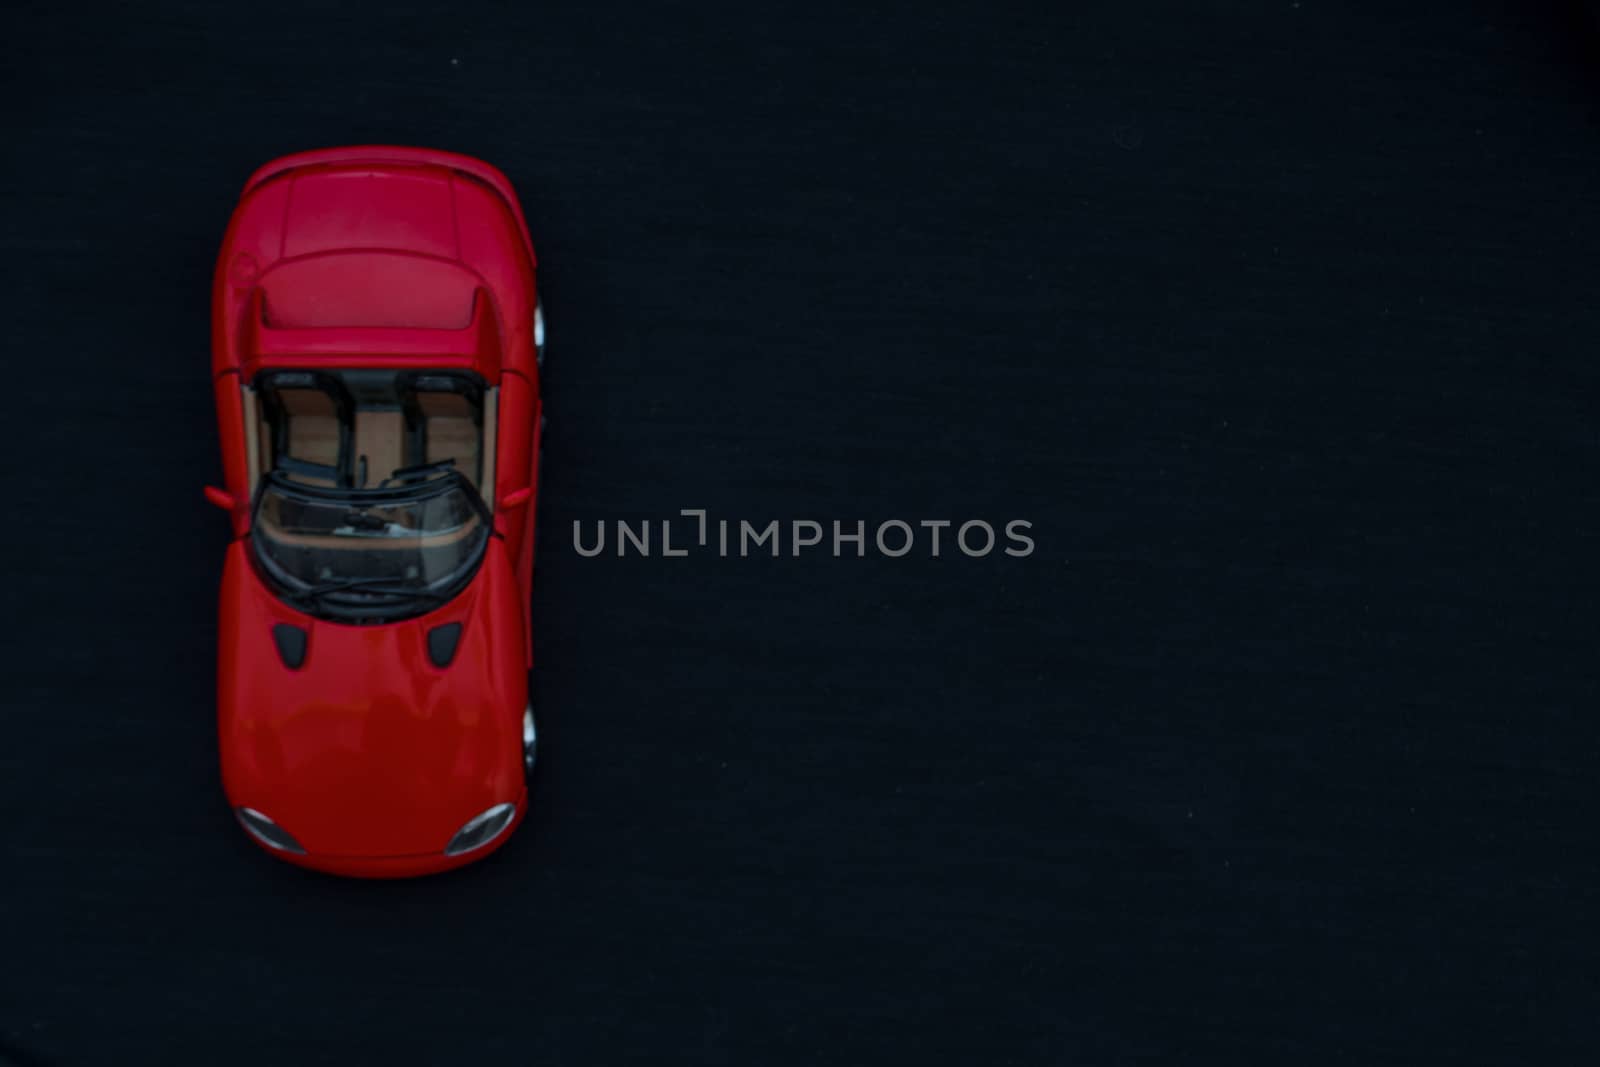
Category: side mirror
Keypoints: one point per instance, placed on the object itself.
(220, 497)
(515, 499)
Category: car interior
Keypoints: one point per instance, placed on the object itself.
(366, 430)
(360, 429)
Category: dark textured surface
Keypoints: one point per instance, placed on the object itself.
(1277, 320)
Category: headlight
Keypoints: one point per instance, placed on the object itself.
(267, 832)
(481, 830)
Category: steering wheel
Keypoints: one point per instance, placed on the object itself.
(417, 473)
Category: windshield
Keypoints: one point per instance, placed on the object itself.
(378, 554)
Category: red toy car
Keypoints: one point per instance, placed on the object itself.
(376, 344)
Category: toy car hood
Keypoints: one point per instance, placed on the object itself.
(368, 748)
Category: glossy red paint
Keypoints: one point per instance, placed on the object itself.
(368, 754)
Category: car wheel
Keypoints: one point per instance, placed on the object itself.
(538, 332)
(530, 741)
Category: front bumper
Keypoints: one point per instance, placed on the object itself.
(397, 866)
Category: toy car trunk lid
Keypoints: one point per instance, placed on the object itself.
(382, 260)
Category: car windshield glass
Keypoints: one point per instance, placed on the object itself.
(381, 552)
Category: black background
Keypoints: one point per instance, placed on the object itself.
(1277, 320)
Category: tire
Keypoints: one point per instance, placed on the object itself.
(538, 333)
(530, 742)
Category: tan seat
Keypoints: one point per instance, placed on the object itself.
(450, 431)
(312, 431)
